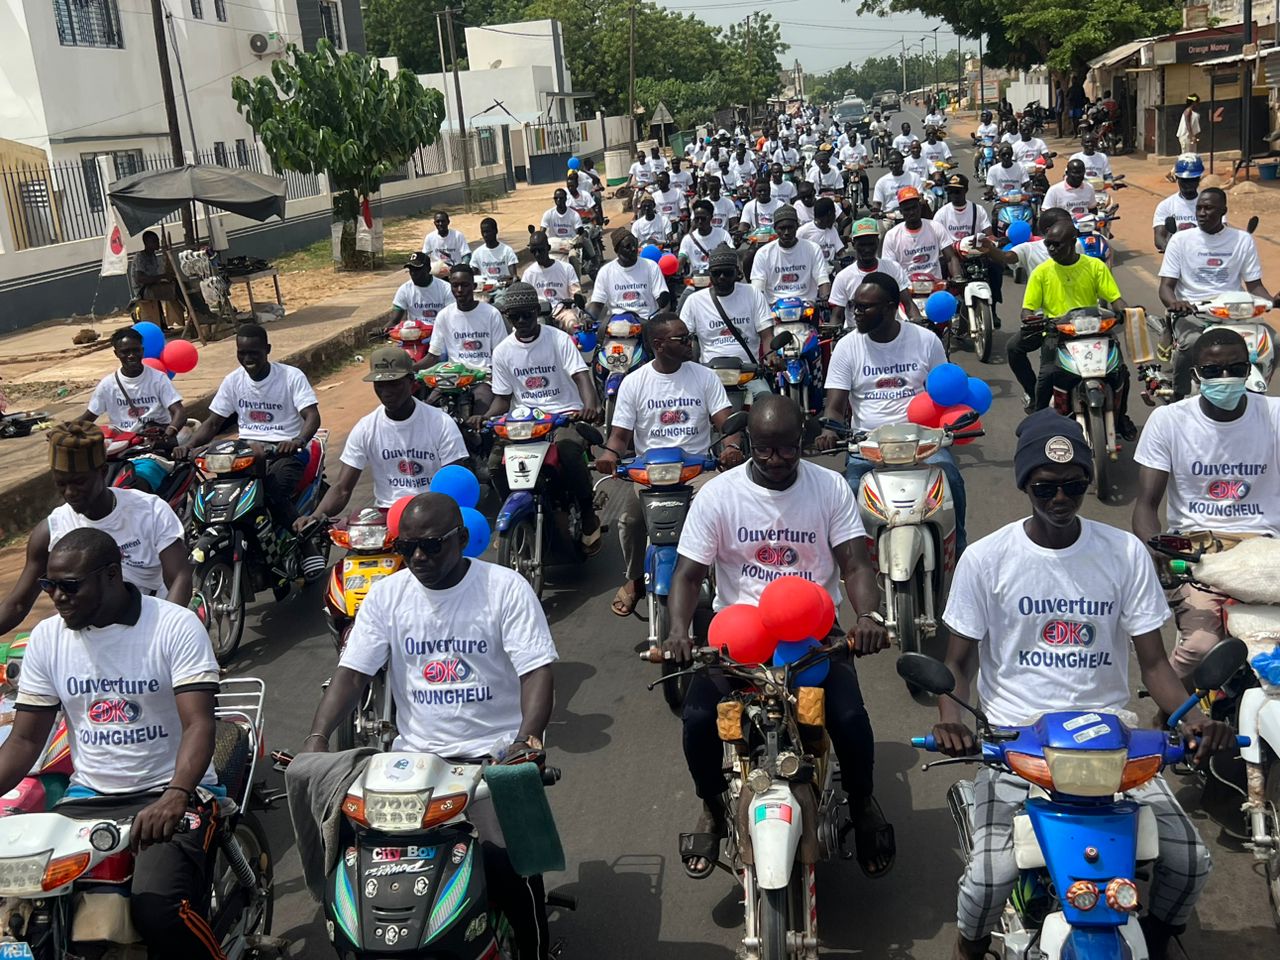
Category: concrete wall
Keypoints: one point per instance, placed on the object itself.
(521, 88)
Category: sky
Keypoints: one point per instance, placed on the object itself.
(827, 33)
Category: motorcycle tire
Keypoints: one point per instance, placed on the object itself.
(772, 915)
(1272, 799)
(226, 626)
(673, 691)
(344, 734)
(982, 327)
(610, 405)
(252, 838)
(1101, 462)
(904, 614)
(517, 550)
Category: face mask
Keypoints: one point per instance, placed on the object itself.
(1223, 392)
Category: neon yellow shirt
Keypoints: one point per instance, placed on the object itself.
(1055, 289)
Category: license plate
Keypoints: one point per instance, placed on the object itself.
(15, 950)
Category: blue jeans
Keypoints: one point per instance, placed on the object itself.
(856, 467)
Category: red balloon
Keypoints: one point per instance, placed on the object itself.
(668, 263)
(951, 414)
(738, 631)
(393, 515)
(155, 363)
(180, 356)
(793, 608)
(923, 411)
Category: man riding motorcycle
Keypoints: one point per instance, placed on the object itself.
(885, 196)
(789, 266)
(628, 282)
(999, 634)
(865, 238)
(492, 259)
(650, 227)
(489, 613)
(697, 244)
(135, 395)
(445, 245)
(780, 189)
(1073, 193)
(918, 245)
(1187, 170)
(1096, 163)
(1004, 176)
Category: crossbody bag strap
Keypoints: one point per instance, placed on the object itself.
(732, 327)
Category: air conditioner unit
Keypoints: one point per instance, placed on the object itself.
(265, 44)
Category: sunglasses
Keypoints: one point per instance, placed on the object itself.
(430, 546)
(1212, 371)
(1048, 489)
(68, 587)
(786, 452)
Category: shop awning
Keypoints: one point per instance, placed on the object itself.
(1237, 57)
(1122, 52)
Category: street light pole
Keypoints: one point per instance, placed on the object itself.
(935, 60)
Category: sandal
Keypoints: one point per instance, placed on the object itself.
(704, 845)
(626, 600)
(874, 841)
(593, 542)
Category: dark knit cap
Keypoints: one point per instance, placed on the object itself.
(1047, 437)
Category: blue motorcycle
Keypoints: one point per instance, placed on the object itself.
(984, 156)
(1077, 846)
(620, 349)
(798, 342)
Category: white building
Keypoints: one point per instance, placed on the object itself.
(81, 78)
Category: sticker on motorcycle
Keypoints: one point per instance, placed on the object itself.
(476, 927)
(1084, 736)
(459, 851)
(371, 889)
(1076, 723)
(420, 886)
(350, 856)
(404, 866)
(773, 811)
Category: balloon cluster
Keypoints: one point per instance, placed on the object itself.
(459, 484)
(793, 616)
(950, 394)
(171, 359)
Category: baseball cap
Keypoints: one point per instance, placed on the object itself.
(958, 180)
(784, 214)
(866, 227)
(908, 193)
(419, 259)
(389, 363)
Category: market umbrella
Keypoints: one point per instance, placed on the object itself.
(147, 198)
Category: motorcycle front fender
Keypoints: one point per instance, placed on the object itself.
(516, 507)
(1095, 394)
(775, 823)
(976, 290)
(659, 568)
(901, 549)
(797, 372)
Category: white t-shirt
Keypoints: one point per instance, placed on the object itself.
(146, 398)
(804, 213)
(117, 687)
(918, 167)
(883, 377)
(1074, 200)
(958, 221)
(752, 535)
(902, 143)
(454, 657)
(267, 409)
(658, 163)
(795, 272)
(563, 225)
(682, 180)
(784, 191)
(539, 374)
(987, 130)
(1054, 626)
(494, 263)
(917, 251)
(468, 336)
(746, 309)
(643, 173)
(1004, 179)
(651, 231)
(696, 248)
(757, 214)
(452, 247)
(887, 187)
(554, 282)
(670, 409)
(829, 240)
(1223, 477)
(833, 179)
(723, 211)
(1207, 264)
(1028, 150)
(634, 288)
(423, 303)
(1178, 207)
(669, 202)
(933, 152)
(141, 524)
(848, 280)
(1098, 165)
(580, 201)
(403, 455)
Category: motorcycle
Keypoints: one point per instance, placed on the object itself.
(1088, 354)
(973, 292)
(137, 460)
(414, 336)
(236, 547)
(788, 809)
(61, 889)
(492, 289)
(621, 350)
(734, 374)
(454, 382)
(909, 515)
(1010, 207)
(799, 345)
(594, 232)
(1068, 905)
(1094, 235)
(538, 523)
(923, 286)
(984, 155)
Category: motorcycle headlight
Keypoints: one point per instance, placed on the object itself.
(1086, 773)
(219, 462)
(520, 430)
(389, 811)
(23, 875)
(728, 376)
(898, 452)
(665, 474)
(367, 536)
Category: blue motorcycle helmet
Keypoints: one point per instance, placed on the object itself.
(1189, 166)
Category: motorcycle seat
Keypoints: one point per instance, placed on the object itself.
(231, 757)
(315, 459)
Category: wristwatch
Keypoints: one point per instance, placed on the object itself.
(874, 615)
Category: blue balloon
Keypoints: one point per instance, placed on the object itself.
(947, 385)
(1019, 232)
(940, 307)
(812, 676)
(586, 341)
(651, 252)
(152, 339)
(478, 531)
(459, 483)
(574, 163)
(979, 396)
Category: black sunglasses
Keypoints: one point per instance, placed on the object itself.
(1048, 489)
(1212, 371)
(69, 587)
(785, 451)
(430, 546)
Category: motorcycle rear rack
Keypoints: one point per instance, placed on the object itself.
(239, 700)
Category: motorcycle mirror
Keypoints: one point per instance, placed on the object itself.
(589, 433)
(1170, 225)
(1220, 664)
(735, 423)
(1171, 543)
(1253, 224)
(926, 672)
(781, 340)
(961, 422)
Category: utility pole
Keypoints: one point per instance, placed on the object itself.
(462, 116)
(751, 103)
(982, 83)
(1246, 95)
(631, 70)
(903, 57)
(935, 61)
(171, 111)
(959, 72)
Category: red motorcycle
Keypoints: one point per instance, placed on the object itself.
(139, 460)
(413, 335)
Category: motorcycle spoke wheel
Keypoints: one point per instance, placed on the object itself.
(518, 549)
(772, 920)
(1101, 461)
(982, 328)
(673, 691)
(226, 622)
(1272, 799)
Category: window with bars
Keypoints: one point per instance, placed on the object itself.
(128, 162)
(242, 153)
(220, 10)
(197, 9)
(488, 148)
(88, 23)
(220, 153)
(331, 23)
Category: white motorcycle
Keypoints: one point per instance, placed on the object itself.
(979, 304)
(908, 511)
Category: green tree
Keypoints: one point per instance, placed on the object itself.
(405, 29)
(341, 115)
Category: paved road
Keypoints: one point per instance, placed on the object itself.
(625, 793)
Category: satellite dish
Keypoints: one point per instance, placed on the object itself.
(495, 65)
